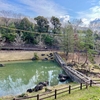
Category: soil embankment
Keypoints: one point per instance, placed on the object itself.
(21, 55)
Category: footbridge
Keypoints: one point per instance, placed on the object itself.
(72, 73)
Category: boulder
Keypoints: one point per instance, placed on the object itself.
(51, 54)
(51, 58)
(1, 65)
(33, 58)
(30, 90)
(62, 76)
(62, 79)
(42, 54)
(71, 64)
(45, 59)
(38, 87)
(45, 83)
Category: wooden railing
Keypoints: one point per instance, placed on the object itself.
(95, 82)
(71, 72)
(56, 92)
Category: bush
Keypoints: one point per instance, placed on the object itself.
(10, 37)
(36, 56)
(96, 66)
(22, 95)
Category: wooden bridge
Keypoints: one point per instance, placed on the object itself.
(72, 73)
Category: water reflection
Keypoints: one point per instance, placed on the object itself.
(16, 78)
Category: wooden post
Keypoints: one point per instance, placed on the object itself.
(80, 86)
(90, 83)
(37, 96)
(86, 85)
(69, 89)
(55, 94)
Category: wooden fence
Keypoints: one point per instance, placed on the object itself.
(56, 92)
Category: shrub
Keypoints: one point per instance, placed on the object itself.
(96, 66)
(36, 56)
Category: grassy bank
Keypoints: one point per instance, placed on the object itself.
(86, 94)
(92, 93)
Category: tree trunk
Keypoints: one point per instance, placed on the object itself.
(67, 55)
(85, 60)
(78, 57)
(73, 57)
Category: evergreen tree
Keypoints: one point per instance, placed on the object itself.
(56, 24)
(68, 39)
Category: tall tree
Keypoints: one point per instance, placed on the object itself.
(56, 24)
(88, 46)
(68, 39)
(48, 40)
(26, 25)
(41, 26)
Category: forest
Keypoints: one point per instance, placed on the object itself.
(51, 33)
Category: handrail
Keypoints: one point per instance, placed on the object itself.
(56, 92)
(79, 75)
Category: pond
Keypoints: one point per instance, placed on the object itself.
(17, 77)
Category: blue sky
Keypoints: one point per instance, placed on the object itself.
(87, 10)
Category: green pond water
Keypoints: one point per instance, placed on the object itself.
(17, 77)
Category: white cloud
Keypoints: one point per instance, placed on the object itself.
(89, 15)
(44, 7)
(65, 18)
(85, 22)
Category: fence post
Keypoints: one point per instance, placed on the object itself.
(80, 86)
(86, 85)
(69, 89)
(55, 93)
(90, 83)
(37, 96)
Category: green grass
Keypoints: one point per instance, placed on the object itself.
(92, 93)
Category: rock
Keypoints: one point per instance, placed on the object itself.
(45, 47)
(70, 64)
(41, 83)
(33, 58)
(42, 54)
(45, 59)
(45, 83)
(51, 54)
(1, 65)
(62, 79)
(51, 58)
(62, 76)
(38, 87)
(30, 90)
